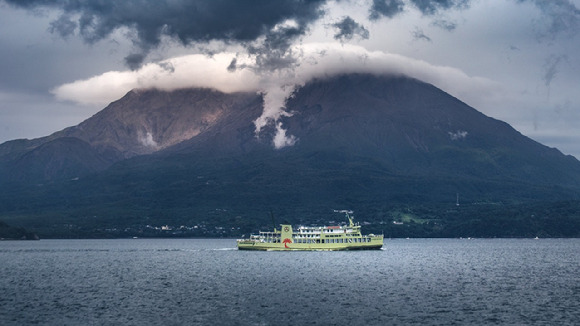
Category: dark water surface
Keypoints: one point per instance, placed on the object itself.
(209, 282)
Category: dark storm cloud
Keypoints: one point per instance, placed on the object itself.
(385, 8)
(233, 65)
(348, 28)
(430, 7)
(63, 26)
(390, 8)
(187, 21)
(134, 60)
(274, 51)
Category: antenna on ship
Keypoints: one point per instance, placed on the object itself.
(273, 220)
(347, 212)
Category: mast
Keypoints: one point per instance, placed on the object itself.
(347, 212)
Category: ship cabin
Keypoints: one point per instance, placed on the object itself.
(317, 234)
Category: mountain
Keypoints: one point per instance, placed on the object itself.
(122, 130)
(370, 143)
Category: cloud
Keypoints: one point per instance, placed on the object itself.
(560, 17)
(274, 50)
(551, 68)
(63, 26)
(281, 139)
(431, 7)
(316, 60)
(458, 135)
(391, 8)
(445, 24)
(267, 29)
(348, 28)
(418, 35)
(195, 70)
(184, 20)
(385, 8)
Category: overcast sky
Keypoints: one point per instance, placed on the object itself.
(514, 60)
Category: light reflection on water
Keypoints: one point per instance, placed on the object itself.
(203, 282)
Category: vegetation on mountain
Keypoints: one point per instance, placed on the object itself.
(8, 232)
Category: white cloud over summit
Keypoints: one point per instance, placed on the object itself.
(316, 60)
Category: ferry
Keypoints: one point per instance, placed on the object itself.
(348, 237)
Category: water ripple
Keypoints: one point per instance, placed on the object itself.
(207, 282)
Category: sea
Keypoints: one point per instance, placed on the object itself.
(210, 282)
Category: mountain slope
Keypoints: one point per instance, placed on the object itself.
(419, 130)
(364, 142)
(142, 122)
(145, 121)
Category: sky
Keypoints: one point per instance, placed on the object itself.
(61, 61)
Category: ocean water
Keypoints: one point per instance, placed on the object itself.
(209, 282)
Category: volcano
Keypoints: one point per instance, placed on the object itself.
(361, 141)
